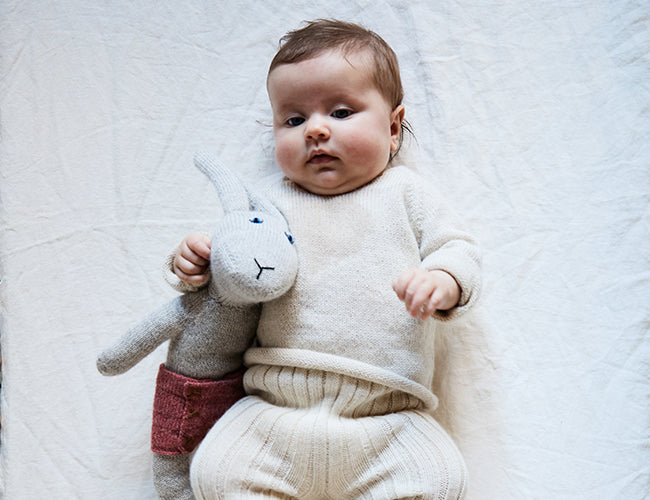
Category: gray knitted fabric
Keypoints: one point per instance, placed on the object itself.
(252, 260)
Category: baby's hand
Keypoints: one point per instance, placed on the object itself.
(192, 259)
(424, 292)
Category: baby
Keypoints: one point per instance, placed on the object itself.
(339, 401)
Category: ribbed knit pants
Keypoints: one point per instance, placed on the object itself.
(309, 434)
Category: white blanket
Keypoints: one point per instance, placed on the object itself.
(534, 117)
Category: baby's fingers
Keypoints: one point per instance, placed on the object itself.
(432, 304)
(197, 246)
(414, 288)
(188, 267)
(401, 283)
(190, 272)
(418, 295)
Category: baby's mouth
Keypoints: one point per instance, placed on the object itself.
(321, 158)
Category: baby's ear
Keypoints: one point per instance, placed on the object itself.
(396, 120)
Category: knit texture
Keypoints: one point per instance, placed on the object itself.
(341, 374)
(314, 435)
(342, 314)
(185, 409)
(252, 260)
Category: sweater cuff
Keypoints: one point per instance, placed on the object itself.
(469, 283)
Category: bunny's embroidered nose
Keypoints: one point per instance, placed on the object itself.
(262, 268)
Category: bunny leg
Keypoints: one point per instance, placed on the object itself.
(171, 476)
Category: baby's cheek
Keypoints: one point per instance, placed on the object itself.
(284, 152)
(368, 147)
(280, 155)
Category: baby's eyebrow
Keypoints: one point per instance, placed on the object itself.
(283, 105)
(285, 113)
(340, 97)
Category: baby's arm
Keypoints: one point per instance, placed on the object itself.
(192, 259)
(447, 282)
(425, 292)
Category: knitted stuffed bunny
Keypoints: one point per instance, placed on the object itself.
(252, 261)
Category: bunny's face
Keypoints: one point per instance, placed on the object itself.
(253, 258)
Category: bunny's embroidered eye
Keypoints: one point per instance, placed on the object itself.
(289, 237)
(256, 220)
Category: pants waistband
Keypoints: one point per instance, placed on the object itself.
(341, 394)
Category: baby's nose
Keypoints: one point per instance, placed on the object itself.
(317, 129)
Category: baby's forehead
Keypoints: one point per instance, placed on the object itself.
(356, 64)
(344, 80)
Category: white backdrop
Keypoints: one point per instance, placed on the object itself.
(534, 117)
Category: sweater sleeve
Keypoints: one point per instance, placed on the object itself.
(445, 246)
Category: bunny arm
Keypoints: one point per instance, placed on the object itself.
(162, 324)
(207, 337)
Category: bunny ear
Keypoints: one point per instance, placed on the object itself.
(231, 191)
(262, 204)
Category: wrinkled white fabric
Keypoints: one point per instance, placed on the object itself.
(531, 117)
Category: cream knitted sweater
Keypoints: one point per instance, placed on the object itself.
(342, 314)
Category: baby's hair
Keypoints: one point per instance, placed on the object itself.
(327, 34)
(323, 35)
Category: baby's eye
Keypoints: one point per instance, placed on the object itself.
(295, 121)
(341, 113)
(256, 220)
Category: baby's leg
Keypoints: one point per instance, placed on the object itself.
(243, 456)
(401, 455)
(316, 435)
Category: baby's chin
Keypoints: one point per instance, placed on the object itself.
(330, 183)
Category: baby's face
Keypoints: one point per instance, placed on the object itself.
(333, 129)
